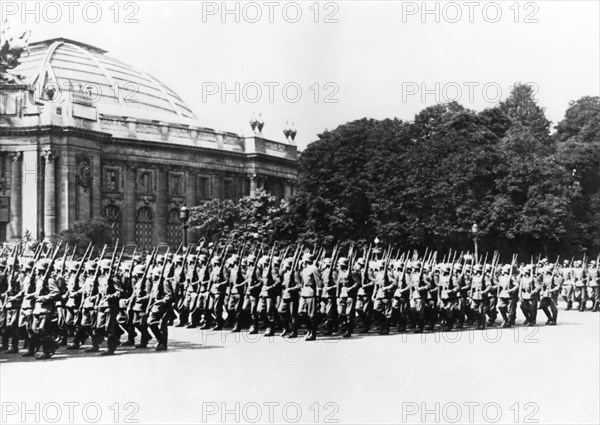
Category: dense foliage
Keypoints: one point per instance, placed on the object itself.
(425, 182)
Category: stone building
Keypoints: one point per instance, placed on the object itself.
(88, 136)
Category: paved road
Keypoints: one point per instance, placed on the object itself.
(524, 375)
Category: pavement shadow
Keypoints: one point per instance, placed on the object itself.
(64, 354)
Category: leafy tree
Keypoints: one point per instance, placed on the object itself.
(81, 233)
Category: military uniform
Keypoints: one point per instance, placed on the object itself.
(550, 286)
(529, 289)
(348, 282)
(329, 298)
(161, 297)
(312, 283)
(479, 296)
(507, 297)
(107, 326)
(290, 298)
(12, 306)
(46, 295)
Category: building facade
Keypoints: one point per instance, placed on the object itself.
(87, 136)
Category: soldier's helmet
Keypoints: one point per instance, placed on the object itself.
(446, 268)
(506, 268)
(178, 259)
(276, 261)
(488, 267)
(578, 263)
(251, 258)
(138, 270)
(326, 261)
(105, 264)
(156, 271)
(216, 260)
(544, 260)
(42, 265)
(28, 265)
(73, 266)
(169, 257)
(427, 268)
(466, 268)
(160, 259)
(342, 262)
(592, 263)
(91, 266)
(477, 268)
(192, 259)
(307, 257)
(263, 261)
(360, 262)
(565, 262)
(202, 258)
(233, 259)
(416, 265)
(137, 258)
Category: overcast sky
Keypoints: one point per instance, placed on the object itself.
(360, 59)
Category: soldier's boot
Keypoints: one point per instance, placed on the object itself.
(144, 339)
(32, 348)
(569, 305)
(311, 335)
(5, 338)
(294, 333)
(254, 328)
(328, 328)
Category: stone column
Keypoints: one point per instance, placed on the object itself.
(253, 184)
(161, 219)
(129, 212)
(16, 196)
(287, 190)
(49, 194)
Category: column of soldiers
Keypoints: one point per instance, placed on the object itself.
(52, 300)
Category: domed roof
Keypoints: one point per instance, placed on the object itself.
(114, 87)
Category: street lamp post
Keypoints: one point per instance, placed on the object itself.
(184, 216)
(475, 231)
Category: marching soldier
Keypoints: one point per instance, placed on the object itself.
(72, 298)
(217, 288)
(567, 284)
(329, 296)
(12, 306)
(253, 287)
(312, 283)
(107, 310)
(161, 297)
(364, 299)
(268, 296)
(401, 297)
(27, 279)
(385, 284)
(579, 281)
(87, 313)
(507, 297)
(288, 308)
(490, 278)
(528, 290)
(46, 295)
(549, 288)
(447, 297)
(348, 282)
(479, 294)
(138, 304)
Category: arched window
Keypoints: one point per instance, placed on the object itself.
(144, 228)
(112, 214)
(174, 229)
(144, 214)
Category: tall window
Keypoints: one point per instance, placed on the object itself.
(203, 187)
(176, 184)
(111, 180)
(228, 189)
(144, 228)
(112, 213)
(145, 182)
